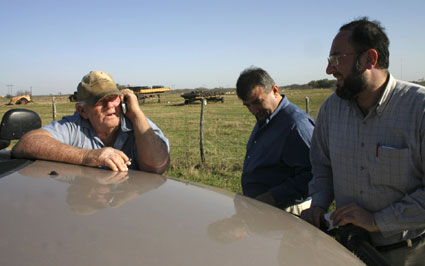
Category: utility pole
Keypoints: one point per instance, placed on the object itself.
(9, 89)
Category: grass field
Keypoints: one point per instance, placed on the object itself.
(227, 127)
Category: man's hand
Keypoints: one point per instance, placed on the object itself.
(133, 107)
(314, 215)
(112, 178)
(266, 198)
(114, 159)
(354, 214)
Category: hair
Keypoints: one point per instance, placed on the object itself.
(366, 35)
(251, 78)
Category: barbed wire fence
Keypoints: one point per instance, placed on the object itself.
(213, 140)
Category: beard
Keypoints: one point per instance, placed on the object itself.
(354, 84)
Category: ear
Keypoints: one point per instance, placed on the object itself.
(371, 58)
(81, 110)
(275, 89)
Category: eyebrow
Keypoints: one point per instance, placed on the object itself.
(256, 101)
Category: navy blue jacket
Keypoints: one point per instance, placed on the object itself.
(277, 156)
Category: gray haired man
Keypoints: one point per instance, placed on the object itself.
(100, 133)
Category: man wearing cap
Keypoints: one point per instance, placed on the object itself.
(100, 133)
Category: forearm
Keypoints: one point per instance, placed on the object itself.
(321, 191)
(39, 144)
(321, 186)
(405, 214)
(152, 152)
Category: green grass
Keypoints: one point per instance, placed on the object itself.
(227, 127)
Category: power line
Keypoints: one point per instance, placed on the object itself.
(9, 89)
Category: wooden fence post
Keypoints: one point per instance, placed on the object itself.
(307, 105)
(201, 129)
(54, 108)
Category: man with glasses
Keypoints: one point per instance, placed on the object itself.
(368, 146)
(101, 133)
(277, 168)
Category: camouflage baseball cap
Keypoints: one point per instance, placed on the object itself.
(94, 86)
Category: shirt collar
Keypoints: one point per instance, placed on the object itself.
(283, 103)
(386, 96)
(379, 107)
(126, 124)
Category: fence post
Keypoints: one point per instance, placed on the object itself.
(307, 105)
(54, 108)
(201, 129)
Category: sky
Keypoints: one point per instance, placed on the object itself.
(47, 46)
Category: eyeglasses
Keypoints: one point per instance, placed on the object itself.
(333, 60)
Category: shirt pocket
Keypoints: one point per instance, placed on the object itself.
(390, 167)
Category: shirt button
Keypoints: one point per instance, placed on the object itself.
(249, 157)
(361, 168)
(364, 123)
(255, 142)
(362, 144)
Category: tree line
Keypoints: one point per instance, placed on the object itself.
(314, 84)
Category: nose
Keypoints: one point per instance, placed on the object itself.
(110, 104)
(330, 69)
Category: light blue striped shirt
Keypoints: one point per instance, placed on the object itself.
(76, 131)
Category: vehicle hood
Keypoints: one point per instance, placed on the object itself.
(62, 214)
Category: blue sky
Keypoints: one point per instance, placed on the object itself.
(49, 46)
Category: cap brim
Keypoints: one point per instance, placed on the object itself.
(103, 95)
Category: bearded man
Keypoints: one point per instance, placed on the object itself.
(367, 150)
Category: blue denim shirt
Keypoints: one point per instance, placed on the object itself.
(277, 155)
(76, 131)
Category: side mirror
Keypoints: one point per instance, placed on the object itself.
(15, 123)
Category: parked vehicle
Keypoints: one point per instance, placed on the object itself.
(201, 95)
(145, 92)
(73, 97)
(21, 99)
(62, 214)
